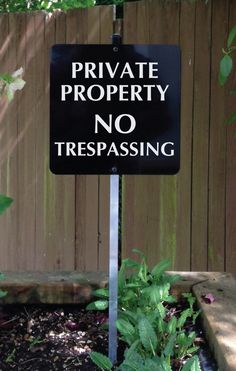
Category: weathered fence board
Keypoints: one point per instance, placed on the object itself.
(61, 222)
(230, 223)
(189, 217)
(56, 222)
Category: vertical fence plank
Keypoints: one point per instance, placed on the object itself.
(64, 192)
(129, 183)
(11, 153)
(41, 141)
(6, 260)
(45, 185)
(87, 187)
(26, 140)
(231, 167)
(55, 195)
(55, 227)
(155, 200)
(217, 143)
(166, 31)
(201, 136)
(183, 226)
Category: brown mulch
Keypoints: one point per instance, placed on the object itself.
(48, 338)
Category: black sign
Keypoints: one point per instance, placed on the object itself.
(115, 109)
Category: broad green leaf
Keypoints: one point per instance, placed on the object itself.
(137, 251)
(171, 299)
(128, 315)
(183, 317)
(190, 298)
(162, 363)
(160, 268)
(222, 79)
(3, 293)
(133, 285)
(129, 295)
(171, 326)
(132, 358)
(172, 278)
(169, 348)
(101, 293)
(192, 365)
(231, 36)
(226, 65)
(130, 263)
(192, 350)
(161, 310)
(231, 119)
(103, 362)
(131, 349)
(127, 330)
(147, 335)
(150, 364)
(121, 279)
(182, 339)
(98, 305)
(5, 202)
(157, 293)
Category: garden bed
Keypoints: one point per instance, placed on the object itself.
(219, 318)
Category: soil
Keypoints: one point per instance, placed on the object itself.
(45, 338)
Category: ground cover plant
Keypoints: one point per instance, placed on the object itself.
(156, 332)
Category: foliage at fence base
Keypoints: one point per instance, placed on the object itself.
(155, 335)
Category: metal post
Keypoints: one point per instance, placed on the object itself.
(113, 250)
(113, 266)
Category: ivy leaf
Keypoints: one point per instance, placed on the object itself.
(231, 37)
(5, 202)
(101, 361)
(226, 65)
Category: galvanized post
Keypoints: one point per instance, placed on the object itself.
(113, 265)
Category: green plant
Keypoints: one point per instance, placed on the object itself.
(10, 357)
(155, 336)
(35, 341)
(226, 65)
(10, 83)
(48, 5)
(2, 293)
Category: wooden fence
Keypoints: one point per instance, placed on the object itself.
(61, 222)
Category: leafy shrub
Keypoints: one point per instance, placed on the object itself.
(155, 336)
(226, 65)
